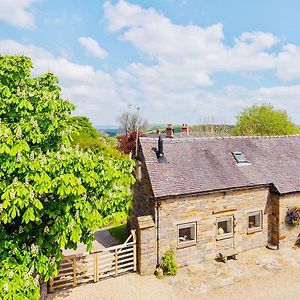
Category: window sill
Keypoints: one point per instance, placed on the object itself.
(254, 230)
(186, 245)
(224, 237)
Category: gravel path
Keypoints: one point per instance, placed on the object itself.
(103, 239)
(259, 274)
(278, 286)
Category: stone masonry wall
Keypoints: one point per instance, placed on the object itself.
(146, 245)
(204, 210)
(143, 200)
(288, 235)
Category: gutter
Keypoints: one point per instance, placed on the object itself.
(214, 191)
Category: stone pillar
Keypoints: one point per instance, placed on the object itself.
(146, 245)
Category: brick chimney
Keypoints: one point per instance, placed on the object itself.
(210, 129)
(169, 131)
(185, 129)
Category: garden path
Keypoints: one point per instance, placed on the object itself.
(258, 274)
(103, 239)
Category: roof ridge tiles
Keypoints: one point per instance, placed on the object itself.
(206, 138)
(202, 164)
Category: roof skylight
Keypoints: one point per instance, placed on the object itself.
(239, 157)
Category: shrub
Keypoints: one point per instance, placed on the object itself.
(169, 265)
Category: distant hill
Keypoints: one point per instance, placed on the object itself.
(108, 129)
(218, 129)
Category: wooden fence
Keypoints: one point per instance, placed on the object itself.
(95, 265)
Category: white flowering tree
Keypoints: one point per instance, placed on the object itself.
(52, 196)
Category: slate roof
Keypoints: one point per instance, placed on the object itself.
(196, 165)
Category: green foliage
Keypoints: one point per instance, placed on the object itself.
(52, 195)
(118, 227)
(169, 265)
(17, 283)
(264, 120)
(85, 126)
(119, 232)
(87, 137)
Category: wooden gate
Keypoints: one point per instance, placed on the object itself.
(95, 265)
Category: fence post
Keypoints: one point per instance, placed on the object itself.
(134, 249)
(146, 245)
(51, 284)
(116, 261)
(96, 267)
(74, 271)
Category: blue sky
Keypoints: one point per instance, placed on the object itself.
(179, 61)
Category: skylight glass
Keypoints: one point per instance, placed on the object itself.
(239, 157)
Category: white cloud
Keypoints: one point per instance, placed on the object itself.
(90, 89)
(17, 12)
(185, 58)
(178, 86)
(185, 55)
(103, 96)
(288, 64)
(93, 47)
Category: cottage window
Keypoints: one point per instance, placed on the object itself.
(239, 157)
(224, 227)
(254, 220)
(187, 233)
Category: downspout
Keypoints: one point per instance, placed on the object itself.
(158, 203)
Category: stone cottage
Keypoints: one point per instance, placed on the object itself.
(214, 197)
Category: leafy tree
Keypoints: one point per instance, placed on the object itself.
(87, 137)
(85, 126)
(264, 120)
(52, 195)
(127, 142)
(130, 121)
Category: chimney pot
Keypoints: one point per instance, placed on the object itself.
(185, 129)
(169, 131)
(160, 150)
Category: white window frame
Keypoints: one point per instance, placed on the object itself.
(224, 235)
(187, 225)
(254, 213)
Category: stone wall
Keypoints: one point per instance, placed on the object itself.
(273, 224)
(143, 200)
(287, 235)
(146, 245)
(204, 210)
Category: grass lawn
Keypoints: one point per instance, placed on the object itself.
(118, 229)
(119, 233)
